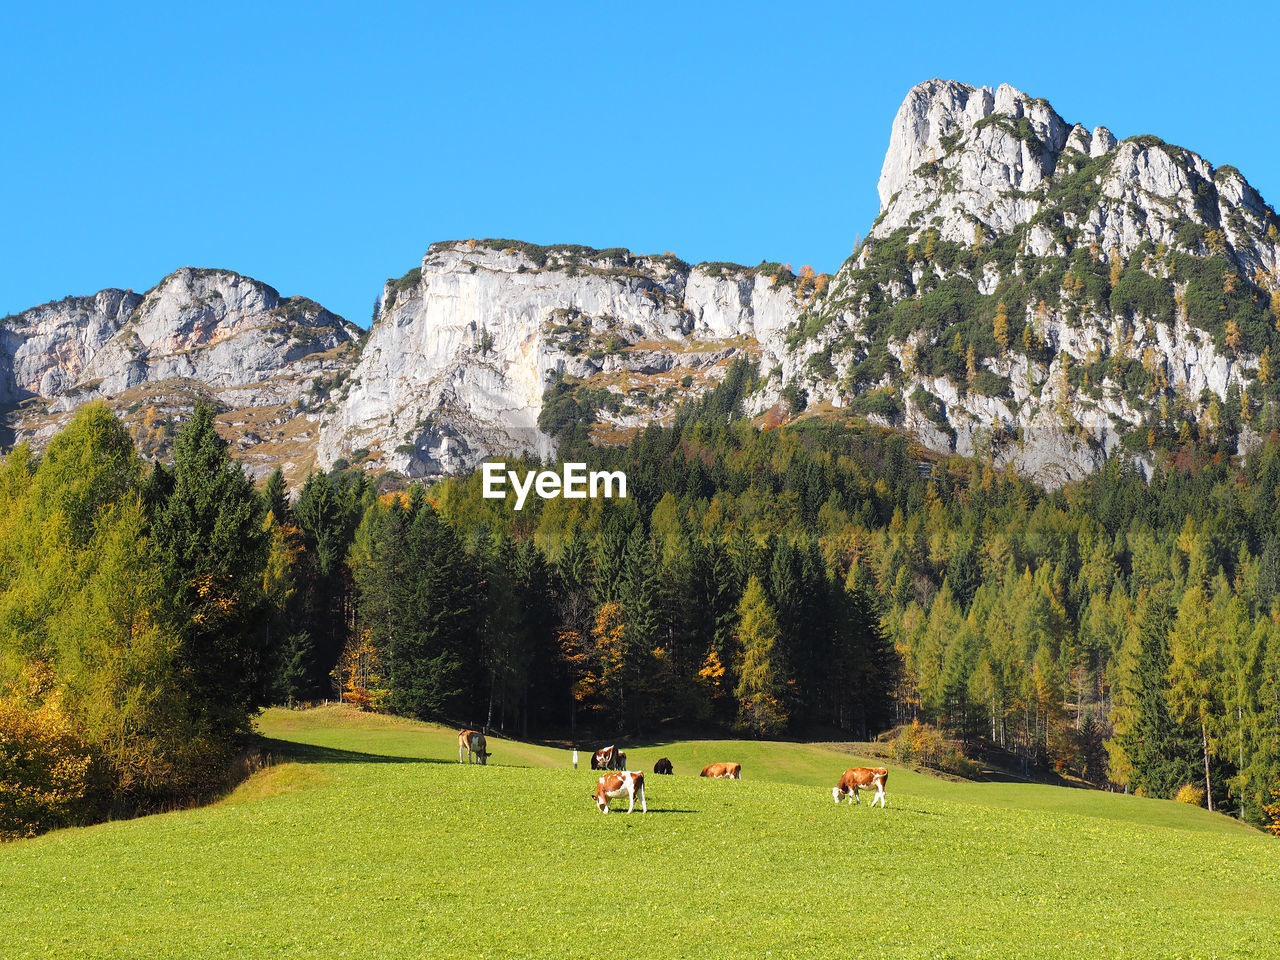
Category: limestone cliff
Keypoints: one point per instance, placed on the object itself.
(464, 347)
(1041, 292)
(264, 360)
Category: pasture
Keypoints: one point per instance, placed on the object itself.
(374, 842)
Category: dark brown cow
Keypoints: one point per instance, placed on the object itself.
(861, 778)
(609, 758)
(663, 766)
(629, 782)
(475, 745)
(727, 771)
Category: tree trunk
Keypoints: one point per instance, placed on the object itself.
(1208, 789)
(1240, 767)
(489, 719)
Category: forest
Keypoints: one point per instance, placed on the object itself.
(820, 579)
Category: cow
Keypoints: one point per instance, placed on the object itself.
(729, 771)
(630, 782)
(474, 744)
(663, 766)
(609, 758)
(864, 778)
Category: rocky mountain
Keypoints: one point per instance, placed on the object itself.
(460, 357)
(267, 363)
(1043, 292)
(1033, 291)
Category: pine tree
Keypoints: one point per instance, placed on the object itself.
(418, 601)
(275, 497)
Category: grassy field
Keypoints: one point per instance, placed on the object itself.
(374, 842)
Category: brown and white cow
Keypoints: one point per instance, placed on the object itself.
(861, 778)
(609, 758)
(728, 771)
(663, 766)
(629, 782)
(474, 744)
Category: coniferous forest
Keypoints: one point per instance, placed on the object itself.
(821, 578)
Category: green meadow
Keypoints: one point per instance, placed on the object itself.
(367, 839)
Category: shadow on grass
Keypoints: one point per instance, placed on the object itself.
(904, 808)
(311, 753)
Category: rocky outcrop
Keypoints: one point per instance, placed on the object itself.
(209, 334)
(465, 346)
(963, 157)
(1131, 272)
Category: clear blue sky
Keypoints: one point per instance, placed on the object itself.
(320, 148)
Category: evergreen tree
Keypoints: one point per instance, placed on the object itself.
(213, 549)
(276, 498)
(418, 603)
(1156, 747)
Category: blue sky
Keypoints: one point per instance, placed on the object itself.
(320, 148)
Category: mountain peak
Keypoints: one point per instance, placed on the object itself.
(936, 113)
(966, 161)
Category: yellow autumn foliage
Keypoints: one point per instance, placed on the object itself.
(45, 766)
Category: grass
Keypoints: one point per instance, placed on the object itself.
(373, 841)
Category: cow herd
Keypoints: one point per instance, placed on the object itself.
(630, 783)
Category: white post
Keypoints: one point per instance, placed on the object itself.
(575, 758)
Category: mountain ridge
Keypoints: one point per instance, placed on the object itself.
(1032, 291)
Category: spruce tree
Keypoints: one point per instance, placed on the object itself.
(1156, 746)
(417, 600)
(213, 548)
(276, 498)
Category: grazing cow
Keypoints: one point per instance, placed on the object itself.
(610, 758)
(728, 771)
(475, 745)
(663, 766)
(630, 782)
(863, 778)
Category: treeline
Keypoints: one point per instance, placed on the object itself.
(823, 578)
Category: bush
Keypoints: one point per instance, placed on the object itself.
(880, 402)
(925, 745)
(1190, 794)
(45, 767)
(992, 385)
(796, 396)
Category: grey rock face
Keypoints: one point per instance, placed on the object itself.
(979, 168)
(209, 333)
(455, 368)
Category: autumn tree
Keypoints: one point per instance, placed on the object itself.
(761, 684)
(1000, 326)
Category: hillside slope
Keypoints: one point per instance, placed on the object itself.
(380, 841)
(1044, 293)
